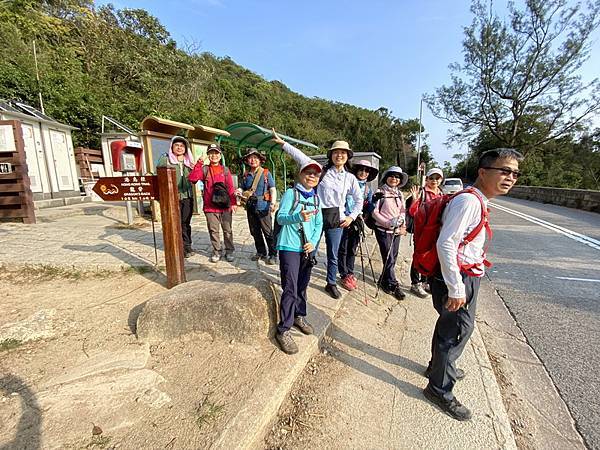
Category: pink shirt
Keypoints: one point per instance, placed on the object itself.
(389, 207)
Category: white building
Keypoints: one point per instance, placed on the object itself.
(48, 149)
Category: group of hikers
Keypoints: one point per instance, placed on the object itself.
(335, 201)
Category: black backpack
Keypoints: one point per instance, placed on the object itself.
(220, 196)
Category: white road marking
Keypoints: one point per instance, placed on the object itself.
(579, 279)
(582, 238)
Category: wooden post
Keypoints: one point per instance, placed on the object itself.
(15, 190)
(171, 226)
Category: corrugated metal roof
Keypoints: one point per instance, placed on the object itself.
(19, 108)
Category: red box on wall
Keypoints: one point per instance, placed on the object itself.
(119, 147)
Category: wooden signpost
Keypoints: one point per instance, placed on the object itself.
(162, 187)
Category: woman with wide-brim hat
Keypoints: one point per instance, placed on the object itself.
(260, 198)
(389, 214)
(337, 182)
(301, 222)
(364, 172)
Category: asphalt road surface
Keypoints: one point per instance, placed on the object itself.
(546, 268)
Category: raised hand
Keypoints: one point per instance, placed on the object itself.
(276, 137)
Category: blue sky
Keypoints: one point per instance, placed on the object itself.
(367, 53)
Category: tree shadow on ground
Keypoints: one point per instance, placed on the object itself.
(28, 433)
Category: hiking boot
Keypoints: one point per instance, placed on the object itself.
(301, 323)
(398, 293)
(347, 283)
(394, 291)
(426, 287)
(332, 290)
(215, 258)
(453, 407)
(257, 257)
(460, 374)
(188, 252)
(418, 290)
(353, 280)
(286, 342)
(229, 257)
(272, 261)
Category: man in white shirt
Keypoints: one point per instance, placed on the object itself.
(455, 289)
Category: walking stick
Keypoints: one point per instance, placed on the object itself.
(363, 239)
(362, 266)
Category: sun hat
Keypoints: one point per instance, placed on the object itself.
(253, 151)
(397, 170)
(367, 165)
(213, 148)
(434, 171)
(310, 163)
(340, 145)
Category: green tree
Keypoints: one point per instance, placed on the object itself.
(519, 80)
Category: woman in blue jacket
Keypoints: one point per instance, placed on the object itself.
(301, 224)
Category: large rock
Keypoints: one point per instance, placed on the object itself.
(241, 307)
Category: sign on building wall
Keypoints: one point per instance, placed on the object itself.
(7, 139)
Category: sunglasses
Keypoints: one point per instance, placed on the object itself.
(394, 175)
(505, 171)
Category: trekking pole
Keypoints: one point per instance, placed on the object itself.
(387, 259)
(362, 266)
(363, 238)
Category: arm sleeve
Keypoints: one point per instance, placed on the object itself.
(318, 229)
(379, 219)
(461, 212)
(197, 173)
(296, 154)
(230, 188)
(162, 161)
(283, 216)
(357, 196)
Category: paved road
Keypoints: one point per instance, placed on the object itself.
(546, 270)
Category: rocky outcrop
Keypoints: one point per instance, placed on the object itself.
(239, 307)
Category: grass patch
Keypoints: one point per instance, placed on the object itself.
(99, 442)
(207, 412)
(47, 272)
(9, 344)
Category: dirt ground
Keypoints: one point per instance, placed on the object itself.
(73, 375)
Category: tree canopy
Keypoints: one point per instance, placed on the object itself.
(519, 80)
(124, 63)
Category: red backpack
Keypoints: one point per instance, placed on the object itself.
(427, 226)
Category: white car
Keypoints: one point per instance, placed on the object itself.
(452, 185)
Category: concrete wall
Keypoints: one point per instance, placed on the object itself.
(572, 198)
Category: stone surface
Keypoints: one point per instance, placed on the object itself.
(37, 326)
(239, 307)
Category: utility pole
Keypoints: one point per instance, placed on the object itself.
(419, 135)
(37, 77)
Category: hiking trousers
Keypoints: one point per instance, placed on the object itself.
(216, 221)
(451, 333)
(186, 208)
(347, 251)
(388, 248)
(295, 272)
(260, 224)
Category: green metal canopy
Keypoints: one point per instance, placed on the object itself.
(246, 134)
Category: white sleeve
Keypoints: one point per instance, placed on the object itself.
(357, 196)
(295, 153)
(460, 214)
